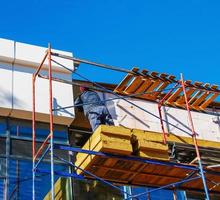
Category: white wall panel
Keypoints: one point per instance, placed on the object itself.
(206, 125)
(31, 55)
(5, 89)
(6, 50)
(16, 83)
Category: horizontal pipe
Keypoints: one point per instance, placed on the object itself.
(132, 158)
(18, 157)
(213, 166)
(98, 88)
(93, 63)
(80, 131)
(121, 70)
(166, 186)
(61, 173)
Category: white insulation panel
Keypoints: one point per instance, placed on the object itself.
(145, 116)
(18, 61)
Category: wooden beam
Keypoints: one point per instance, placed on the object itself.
(160, 88)
(155, 84)
(214, 87)
(189, 92)
(143, 87)
(195, 96)
(181, 99)
(174, 96)
(122, 85)
(171, 78)
(208, 101)
(197, 102)
(134, 84)
(164, 76)
(154, 74)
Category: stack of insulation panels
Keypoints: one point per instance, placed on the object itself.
(118, 141)
(142, 159)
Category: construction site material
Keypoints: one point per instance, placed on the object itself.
(129, 170)
(144, 115)
(164, 171)
(171, 138)
(117, 141)
(200, 95)
(143, 146)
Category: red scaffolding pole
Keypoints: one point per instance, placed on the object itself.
(195, 139)
(160, 104)
(49, 138)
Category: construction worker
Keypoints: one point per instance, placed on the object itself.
(94, 109)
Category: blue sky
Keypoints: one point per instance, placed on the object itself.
(165, 36)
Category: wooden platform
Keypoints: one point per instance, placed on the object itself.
(132, 172)
(150, 85)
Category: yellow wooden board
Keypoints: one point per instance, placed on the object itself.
(158, 137)
(153, 154)
(62, 190)
(154, 146)
(109, 139)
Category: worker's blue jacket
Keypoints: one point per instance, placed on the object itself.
(89, 100)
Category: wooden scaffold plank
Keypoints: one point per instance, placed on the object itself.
(125, 81)
(135, 83)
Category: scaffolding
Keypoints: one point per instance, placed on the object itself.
(120, 93)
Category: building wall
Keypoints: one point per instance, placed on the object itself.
(16, 158)
(18, 61)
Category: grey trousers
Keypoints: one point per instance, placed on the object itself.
(99, 115)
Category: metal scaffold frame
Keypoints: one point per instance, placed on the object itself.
(40, 153)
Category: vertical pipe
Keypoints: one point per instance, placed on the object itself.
(33, 137)
(195, 140)
(185, 196)
(129, 191)
(34, 125)
(161, 124)
(51, 120)
(148, 196)
(174, 194)
(125, 192)
(17, 172)
(72, 158)
(160, 112)
(7, 149)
